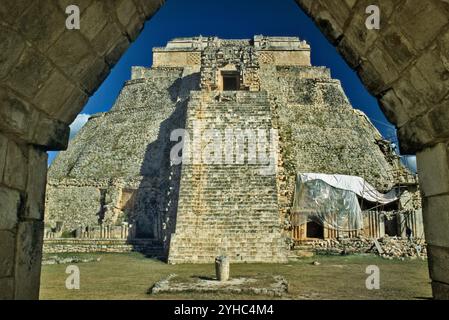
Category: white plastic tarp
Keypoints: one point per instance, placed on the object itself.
(331, 200)
(355, 184)
(333, 208)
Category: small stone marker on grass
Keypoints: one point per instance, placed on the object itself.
(222, 268)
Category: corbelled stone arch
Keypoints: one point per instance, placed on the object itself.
(405, 65)
(47, 73)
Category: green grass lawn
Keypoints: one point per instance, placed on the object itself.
(129, 276)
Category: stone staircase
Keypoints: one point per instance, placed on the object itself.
(230, 208)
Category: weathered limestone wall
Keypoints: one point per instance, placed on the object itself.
(321, 132)
(22, 185)
(46, 75)
(128, 149)
(125, 149)
(148, 247)
(433, 167)
(285, 58)
(75, 206)
(176, 58)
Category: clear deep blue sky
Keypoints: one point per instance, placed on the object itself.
(234, 19)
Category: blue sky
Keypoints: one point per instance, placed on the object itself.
(232, 19)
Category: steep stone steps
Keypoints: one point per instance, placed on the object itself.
(232, 203)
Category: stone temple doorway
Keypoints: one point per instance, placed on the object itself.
(314, 230)
(231, 80)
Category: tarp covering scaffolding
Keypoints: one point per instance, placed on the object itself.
(331, 200)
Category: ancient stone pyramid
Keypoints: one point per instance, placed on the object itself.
(119, 168)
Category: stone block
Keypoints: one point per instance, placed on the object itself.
(11, 203)
(149, 7)
(108, 37)
(72, 53)
(82, 4)
(435, 72)
(54, 93)
(414, 135)
(349, 52)
(11, 47)
(371, 78)
(439, 118)
(135, 26)
(393, 108)
(385, 66)
(42, 23)
(117, 51)
(11, 10)
(420, 21)
(94, 75)
(398, 47)
(7, 288)
(37, 179)
(125, 11)
(329, 26)
(50, 134)
(356, 36)
(7, 250)
(3, 148)
(15, 114)
(439, 263)
(433, 170)
(340, 11)
(419, 82)
(436, 220)
(94, 18)
(28, 259)
(411, 99)
(30, 71)
(74, 104)
(440, 290)
(16, 167)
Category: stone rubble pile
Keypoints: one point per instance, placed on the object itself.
(386, 247)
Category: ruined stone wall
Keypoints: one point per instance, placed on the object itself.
(148, 247)
(321, 132)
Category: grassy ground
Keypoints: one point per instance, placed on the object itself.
(129, 276)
